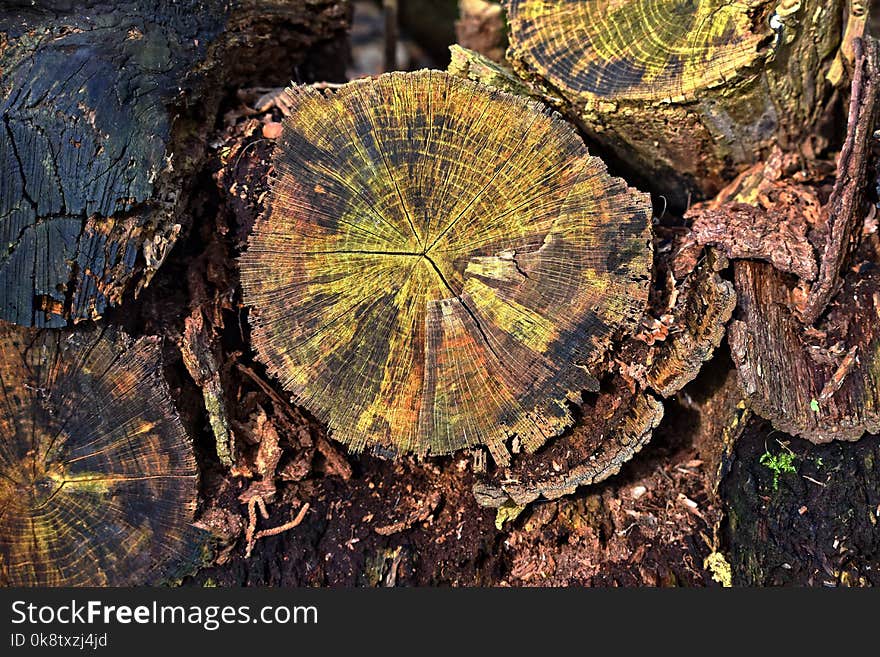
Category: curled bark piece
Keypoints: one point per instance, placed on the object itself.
(441, 264)
(98, 481)
(772, 211)
(704, 306)
(744, 231)
(615, 428)
(683, 92)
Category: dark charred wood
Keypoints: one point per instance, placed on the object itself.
(104, 109)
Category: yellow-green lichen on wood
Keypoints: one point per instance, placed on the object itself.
(441, 264)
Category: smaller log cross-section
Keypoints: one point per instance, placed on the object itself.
(441, 264)
(685, 94)
(98, 481)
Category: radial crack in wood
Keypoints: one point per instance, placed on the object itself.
(441, 264)
(98, 481)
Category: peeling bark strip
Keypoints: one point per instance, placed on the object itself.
(96, 143)
(745, 231)
(809, 383)
(615, 428)
(844, 208)
(682, 92)
(441, 264)
(621, 420)
(98, 481)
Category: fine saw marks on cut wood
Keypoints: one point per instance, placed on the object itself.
(98, 481)
(441, 264)
(649, 50)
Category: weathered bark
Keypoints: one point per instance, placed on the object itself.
(615, 424)
(104, 109)
(818, 381)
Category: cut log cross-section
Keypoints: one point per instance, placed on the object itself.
(682, 92)
(98, 480)
(441, 264)
(102, 114)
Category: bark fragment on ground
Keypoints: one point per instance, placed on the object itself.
(104, 112)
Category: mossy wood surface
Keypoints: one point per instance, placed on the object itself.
(97, 477)
(440, 265)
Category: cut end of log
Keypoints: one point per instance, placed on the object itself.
(98, 481)
(640, 49)
(440, 268)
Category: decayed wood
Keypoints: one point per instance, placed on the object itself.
(817, 525)
(98, 480)
(822, 384)
(818, 382)
(704, 306)
(614, 428)
(443, 267)
(101, 105)
(679, 106)
(620, 420)
(844, 208)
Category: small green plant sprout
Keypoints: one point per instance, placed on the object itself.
(778, 463)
